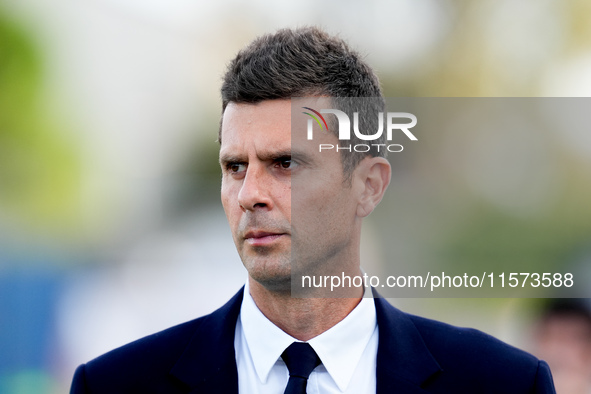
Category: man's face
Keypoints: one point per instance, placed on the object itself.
(261, 172)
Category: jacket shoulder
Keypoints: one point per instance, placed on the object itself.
(146, 365)
(146, 361)
(167, 343)
(472, 358)
(447, 339)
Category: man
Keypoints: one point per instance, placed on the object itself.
(562, 335)
(294, 210)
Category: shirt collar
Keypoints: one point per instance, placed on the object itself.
(267, 342)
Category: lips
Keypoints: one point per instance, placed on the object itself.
(262, 238)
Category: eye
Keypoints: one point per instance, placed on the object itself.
(286, 163)
(235, 168)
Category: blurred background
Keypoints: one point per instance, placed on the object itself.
(110, 222)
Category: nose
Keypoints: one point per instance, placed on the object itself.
(254, 191)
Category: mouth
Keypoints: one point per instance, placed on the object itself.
(262, 238)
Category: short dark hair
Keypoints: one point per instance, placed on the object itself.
(305, 62)
(567, 307)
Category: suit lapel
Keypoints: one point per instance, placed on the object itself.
(404, 362)
(208, 364)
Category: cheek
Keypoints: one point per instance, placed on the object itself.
(224, 195)
(229, 197)
(285, 201)
(322, 201)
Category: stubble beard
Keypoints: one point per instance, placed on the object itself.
(271, 270)
(268, 265)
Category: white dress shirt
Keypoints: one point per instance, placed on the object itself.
(348, 352)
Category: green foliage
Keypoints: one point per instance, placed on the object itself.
(38, 168)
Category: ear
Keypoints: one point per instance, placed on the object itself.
(374, 178)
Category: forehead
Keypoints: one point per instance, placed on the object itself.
(265, 130)
(266, 123)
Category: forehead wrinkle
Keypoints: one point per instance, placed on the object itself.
(229, 153)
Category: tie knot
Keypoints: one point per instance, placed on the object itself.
(300, 359)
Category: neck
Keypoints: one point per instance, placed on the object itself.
(302, 318)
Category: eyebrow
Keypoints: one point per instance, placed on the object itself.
(267, 156)
(274, 155)
(225, 159)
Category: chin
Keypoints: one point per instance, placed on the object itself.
(275, 284)
(277, 279)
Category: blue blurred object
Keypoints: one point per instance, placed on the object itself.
(28, 298)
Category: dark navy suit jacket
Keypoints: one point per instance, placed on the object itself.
(415, 355)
